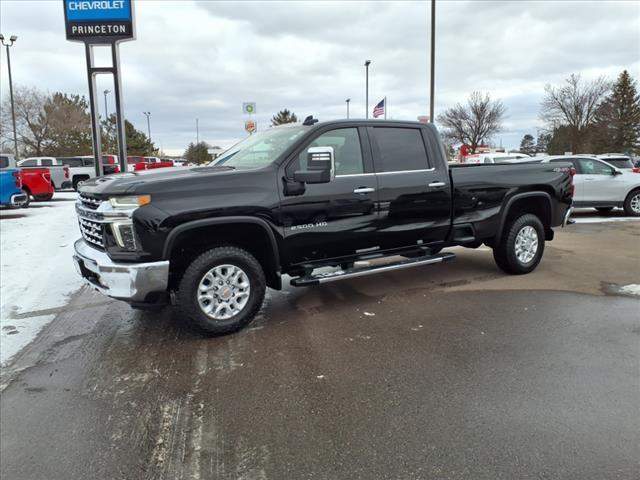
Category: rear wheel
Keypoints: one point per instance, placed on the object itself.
(26, 203)
(222, 290)
(632, 204)
(521, 246)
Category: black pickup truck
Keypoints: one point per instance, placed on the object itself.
(297, 199)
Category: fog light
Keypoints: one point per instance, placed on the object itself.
(123, 233)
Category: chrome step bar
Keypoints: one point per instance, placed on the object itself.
(327, 277)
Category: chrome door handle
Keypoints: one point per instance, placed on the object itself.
(364, 190)
(437, 184)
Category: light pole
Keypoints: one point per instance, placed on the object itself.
(148, 114)
(347, 102)
(12, 40)
(106, 111)
(197, 132)
(433, 54)
(366, 102)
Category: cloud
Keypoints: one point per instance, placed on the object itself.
(203, 59)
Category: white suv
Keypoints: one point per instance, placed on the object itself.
(601, 185)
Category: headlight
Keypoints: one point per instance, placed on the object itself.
(130, 202)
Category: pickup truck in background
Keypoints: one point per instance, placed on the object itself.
(135, 163)
(83, 168)
(11, 194)
(36, 181)
(298, 199)
(60, 177)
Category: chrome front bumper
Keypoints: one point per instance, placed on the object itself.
(566, 221)
(131, 282)
(18, 199)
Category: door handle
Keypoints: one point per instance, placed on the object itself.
(437, 184)
(363, 190)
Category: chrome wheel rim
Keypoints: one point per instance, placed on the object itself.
(635, 203)
(223, 292)
(526, 244)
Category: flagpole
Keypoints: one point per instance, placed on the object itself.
(385, 107)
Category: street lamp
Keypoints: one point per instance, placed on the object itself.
(12, 40)
(106, 112)
(148, 114)
(347, 102)
(366, 102)
(433, 61)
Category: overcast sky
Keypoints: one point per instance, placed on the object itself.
(203, 59)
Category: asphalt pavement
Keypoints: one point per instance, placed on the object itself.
(454, 371)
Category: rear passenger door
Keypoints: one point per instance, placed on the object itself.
(414, 197)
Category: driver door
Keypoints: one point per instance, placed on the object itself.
(337, 218)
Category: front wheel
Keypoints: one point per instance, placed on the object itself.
(222, 290)
(521, 246)
(632, 204)
(26, 203)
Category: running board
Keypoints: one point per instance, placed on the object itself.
(358, 272)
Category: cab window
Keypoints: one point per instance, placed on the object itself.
(346, 149)
(400, 149)
(46, 162)
(29, 163)
(594, 167)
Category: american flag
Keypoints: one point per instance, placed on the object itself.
(378, 110)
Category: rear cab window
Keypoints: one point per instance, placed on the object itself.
(4, 161)
(400, 149)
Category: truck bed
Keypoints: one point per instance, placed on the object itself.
(479, 191)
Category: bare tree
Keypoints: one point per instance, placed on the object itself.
(574, 105)
(31, 121)
(474, 123)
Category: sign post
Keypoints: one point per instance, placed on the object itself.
(104, 22)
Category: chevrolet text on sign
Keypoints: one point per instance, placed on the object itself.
(98, 21)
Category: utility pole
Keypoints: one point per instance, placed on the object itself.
(106, 110)
(197, 132)
(366, 102)
(148, 114)
(347, 102)
(433, 62)
(12, 40)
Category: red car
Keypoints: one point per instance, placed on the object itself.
(36, 183)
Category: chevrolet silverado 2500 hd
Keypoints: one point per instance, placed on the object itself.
(296, 199)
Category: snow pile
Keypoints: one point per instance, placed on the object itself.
(36, 270)
(631, 289)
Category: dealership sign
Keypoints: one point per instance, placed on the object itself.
(99, 21)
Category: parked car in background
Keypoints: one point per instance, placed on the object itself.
(11, 194)
(83, 167)
(601, 185)
(60, 176)
(498, 157)
(618, 160)
(135, 163)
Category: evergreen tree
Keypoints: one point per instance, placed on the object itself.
(198, 153)
(542, 142)
(617, 126)
(282, 117)
(138, 143)
(527, 145)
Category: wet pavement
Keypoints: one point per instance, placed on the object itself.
(449, 371)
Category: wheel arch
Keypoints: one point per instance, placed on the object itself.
(253, 234)
(538, 203)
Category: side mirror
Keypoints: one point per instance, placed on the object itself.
(320, 166)
(616, 172)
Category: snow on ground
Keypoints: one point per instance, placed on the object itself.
(36, 270)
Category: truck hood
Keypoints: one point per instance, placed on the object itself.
(146, 181)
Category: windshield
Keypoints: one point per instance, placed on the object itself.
(260, 149)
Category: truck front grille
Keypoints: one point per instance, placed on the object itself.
(91, 232)
(89, 202)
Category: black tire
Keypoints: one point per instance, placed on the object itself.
(632, 199)
(26, 203)
(195, 273)
(604, 209)
(43, 198)
(75, 184)
(505, 252)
